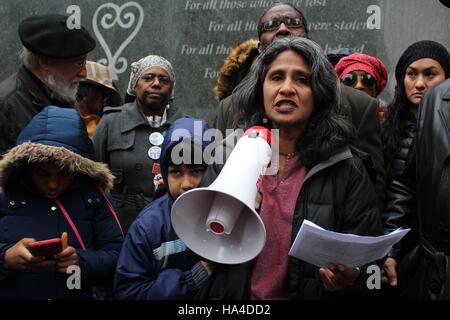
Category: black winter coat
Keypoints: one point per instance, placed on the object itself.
(426, 184)
(362, 113)
(22, 96)
(397, 170)
(337, 195)
(433, 167)
(397, 167)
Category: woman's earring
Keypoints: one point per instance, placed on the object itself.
(265, 120)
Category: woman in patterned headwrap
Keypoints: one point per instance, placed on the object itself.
(129, 138)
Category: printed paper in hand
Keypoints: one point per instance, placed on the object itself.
(321, 247)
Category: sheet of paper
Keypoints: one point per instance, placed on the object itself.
(321, 247)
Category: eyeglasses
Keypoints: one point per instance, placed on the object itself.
(274, 24)
(151, 77)
(80, 65)
(367, 79)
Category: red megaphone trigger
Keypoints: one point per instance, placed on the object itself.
(260, 131)
(217, 227)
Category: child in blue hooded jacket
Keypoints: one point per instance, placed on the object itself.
(51, 187)
(154, 263)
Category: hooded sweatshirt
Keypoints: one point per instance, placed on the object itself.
(154, 263)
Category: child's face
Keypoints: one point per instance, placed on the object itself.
(183, 178)
(50, 181)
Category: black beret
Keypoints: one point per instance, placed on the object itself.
(48, 35)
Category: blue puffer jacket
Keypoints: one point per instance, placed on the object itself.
(57, 135)
(154, 263)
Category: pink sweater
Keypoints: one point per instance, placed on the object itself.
(269, 279)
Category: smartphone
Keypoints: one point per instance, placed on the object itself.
(47, 248)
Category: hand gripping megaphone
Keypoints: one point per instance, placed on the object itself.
(219, 223)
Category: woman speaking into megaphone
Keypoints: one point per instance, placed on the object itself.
(293, 89)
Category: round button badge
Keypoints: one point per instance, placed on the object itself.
(154, 152)
(156, 138)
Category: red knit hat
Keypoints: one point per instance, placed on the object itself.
(366, 63)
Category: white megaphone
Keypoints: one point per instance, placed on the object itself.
(219, 223)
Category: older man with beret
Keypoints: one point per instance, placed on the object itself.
(52, 65)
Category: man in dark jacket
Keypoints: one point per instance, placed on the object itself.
(282, 20)
(53, 64)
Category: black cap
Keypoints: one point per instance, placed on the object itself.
(423, 49)
(48, 35)
(445, 3)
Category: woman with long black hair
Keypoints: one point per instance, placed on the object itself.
(422, 65)
(292, 88)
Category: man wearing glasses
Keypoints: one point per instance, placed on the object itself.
(53, 64)
(281, 20)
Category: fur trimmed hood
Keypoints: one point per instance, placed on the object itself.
(29, 153)
(235, 67)
(56, 135)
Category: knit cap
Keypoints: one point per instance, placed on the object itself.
(420, 50)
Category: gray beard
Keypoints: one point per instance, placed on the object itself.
(59, 89)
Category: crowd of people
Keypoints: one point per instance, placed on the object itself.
(97, 173)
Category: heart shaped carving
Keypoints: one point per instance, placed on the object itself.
(123, 19)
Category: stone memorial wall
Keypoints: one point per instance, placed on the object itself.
(196, 35)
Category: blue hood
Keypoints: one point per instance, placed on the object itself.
(58, 127)
(56, 135)
(185, 128)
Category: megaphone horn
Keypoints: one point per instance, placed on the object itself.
(219, 222)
